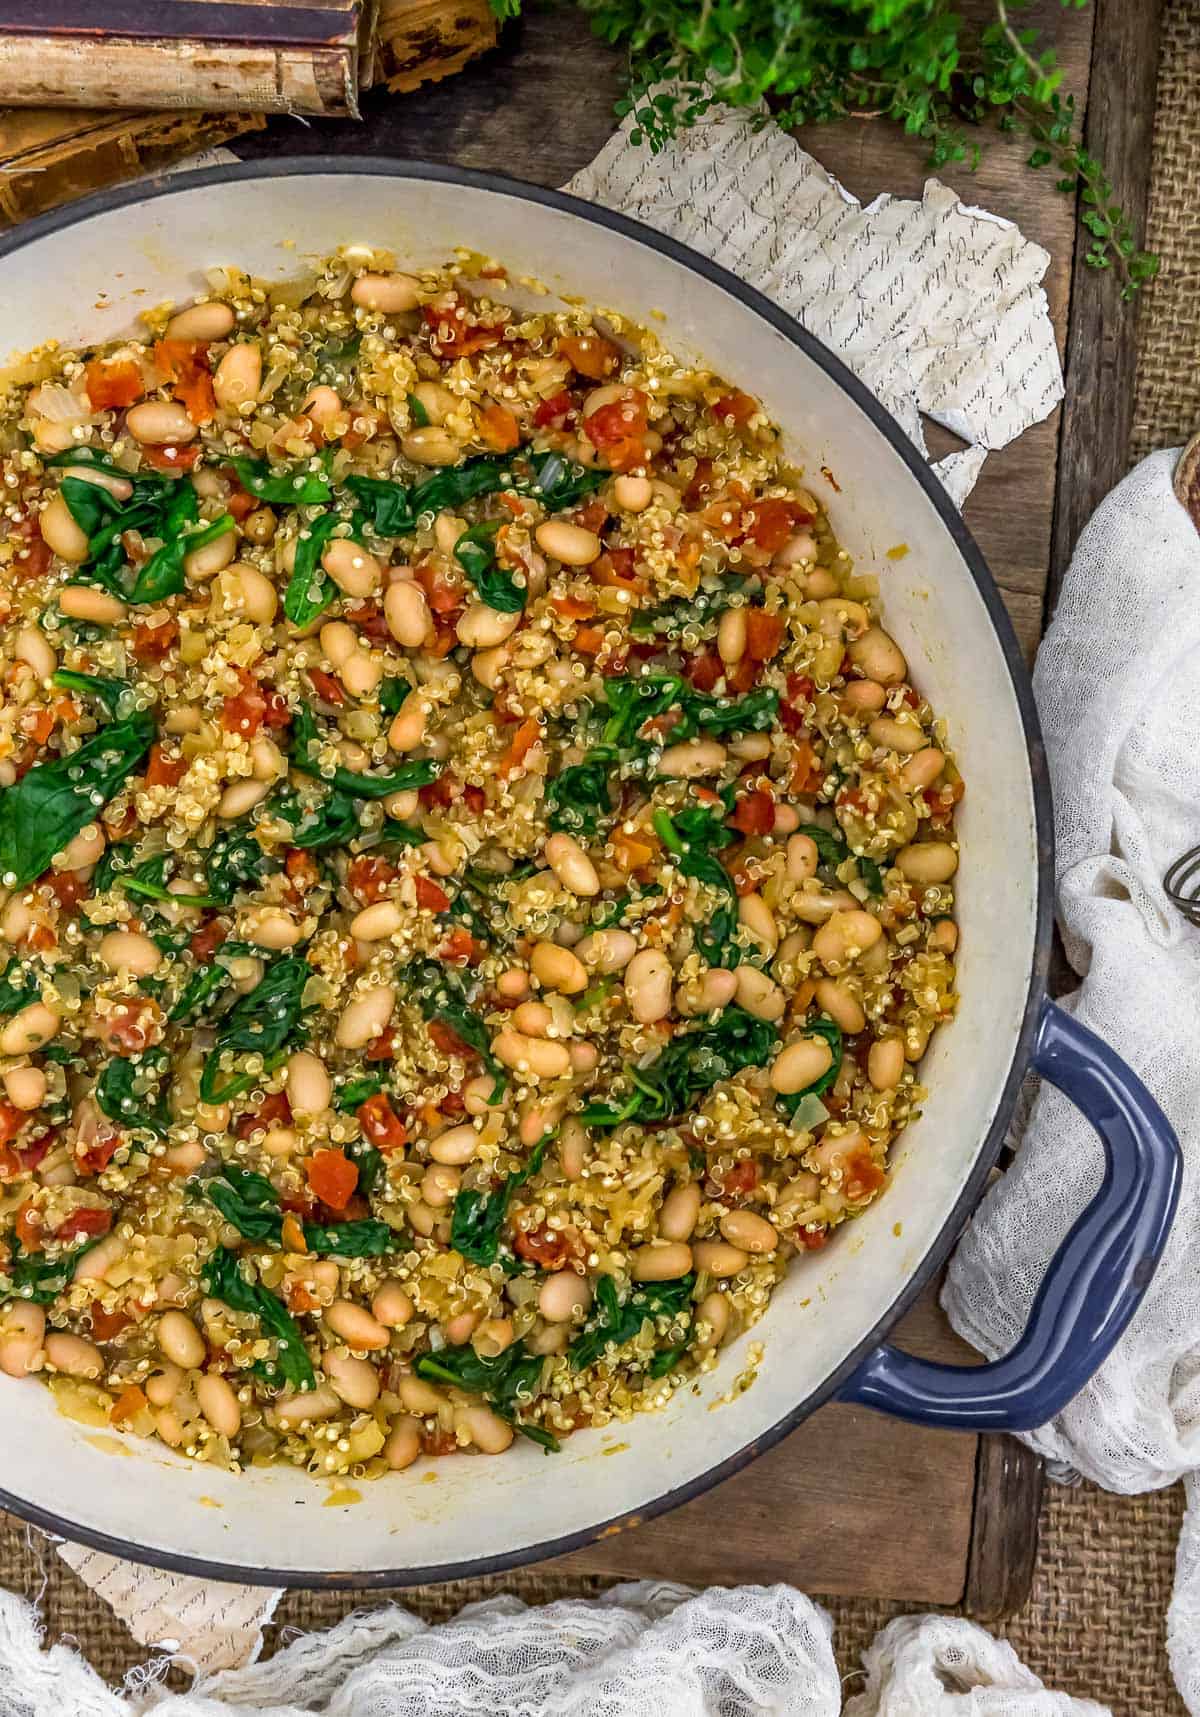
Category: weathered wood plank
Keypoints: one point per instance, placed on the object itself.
(1102, 349)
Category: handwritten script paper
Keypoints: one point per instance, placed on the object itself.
(937, 307)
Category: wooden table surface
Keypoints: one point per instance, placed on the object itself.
(917, 1515)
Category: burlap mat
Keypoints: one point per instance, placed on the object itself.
(1094, 1624)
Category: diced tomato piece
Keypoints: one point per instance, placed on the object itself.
(163, 770)
(67, 887)
(95, 1156)
(736, 405)
(614, 570)
(630, 853)
(446, 1039)
(794, 707)
(593, 516)
(443, 792)
(84, 1223)
(811, 1238)
(298, 1297)
(303, 871)
(591, 354)
(861, 1175)
(770, 522)
(273, 1111)
(326, 686)
(172, 458)
(544, 1246)
(106, 1325)
(474, 798)
(521, 744)
(12, 1120)
(244, 712)
(37, 725)
(461, 949)
(332, 1177)
(29, 1228)
(764, 634)
(131, 1400)
(755, 813)
(499, 429)
(184, 363)
(369, 878)
(383, 1047)
(700, 487)
(588, 640)
(381, 1126)
(34, 556)
(240, 503)
(205, 941)
(32, 1154)
(616, 430)
(113, 384)
(454, 334)
(807, 774)
(740, 1179)
(151, 643)
(370, 619)
(742, 676)
(131, 1026)
(444, 598)
(704, 669)
(430, 896)
(573, 607)
(10, 1163)
(554, 410)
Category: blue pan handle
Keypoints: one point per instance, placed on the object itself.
(1093, 1284)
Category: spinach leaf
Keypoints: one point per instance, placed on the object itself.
(632, 702)
(335, 359)
(106, 692)
(349, 1097)
(494, 584)
(50, 805)
(833, 850)
(235, 861)
(251, 1204)
(207, 981)
(282, 487)
(396, 836)
(417, 412)
(364, 1239)
(39, 1279)
(150, 881)
(392, 694)
(691, 835)
(163, 575)
(114, 1092)
(439, 993)
(17, 988)
(264, 1023)
(691, 1064)
(671, 619)
(248, 1202)
(578, 797)
(615, 1322)
(419, 772)
(507, 1381)
(370, 1165)
(332, 821)
(754, 713)
(224, 1281)
(558, 482)
(479, 1216)
(871, 873)
(833, 1037)
(310, 590)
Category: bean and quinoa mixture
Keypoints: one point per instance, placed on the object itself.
(476, 876)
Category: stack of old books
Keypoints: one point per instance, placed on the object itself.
(109, 89)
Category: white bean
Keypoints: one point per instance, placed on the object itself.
(202, 322)
(403, 1445)
(351, 568)
(290, 1411)
(25, 1087)
(482, 628)
(21, 1334)
(242, 796)
(607, 950)
(160, 422)
(564, 1296)
(695, 757)
(571, 544)
(632, 494)
(679, 1213)
(219, 1404)
(760, 995)
(31, 647)
(365, 1017)
(376, 923)
(800, 1064)
(29, 1029)
(213, 557)
(81, 602)
(648, 986)
(571, 865)
(391, 1306)
(355, 1325)
(309, 1087)
(457, 1145)
(541, 1058)
(927, 861)
(72, 1355)
(60, 532)
(407, 613)
(238, 376)
(388, 293)
(749, 1231)
(558, 968)
(180, 1341)
(662, 1261)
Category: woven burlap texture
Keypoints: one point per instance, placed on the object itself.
(1094, 1622)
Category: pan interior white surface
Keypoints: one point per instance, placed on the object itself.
(88, 281)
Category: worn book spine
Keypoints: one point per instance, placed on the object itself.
(248, 55)
(50, 155)
(420, 41)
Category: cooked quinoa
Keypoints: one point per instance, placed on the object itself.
(476, 876)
